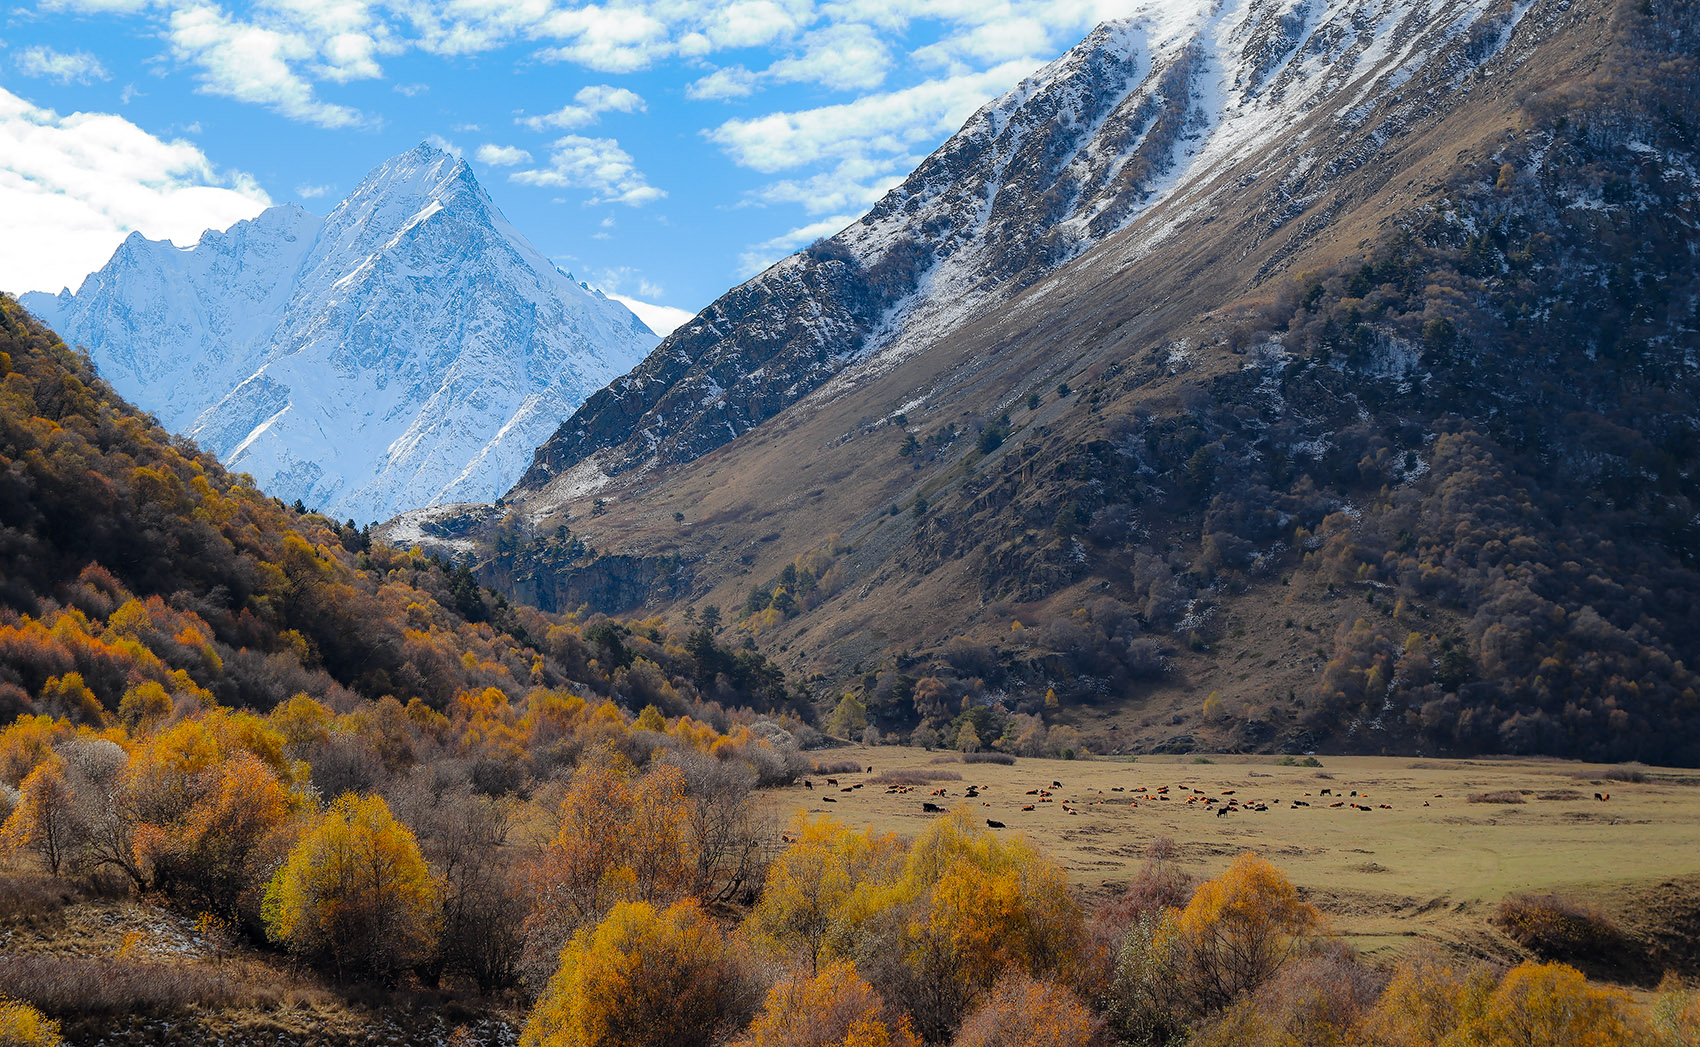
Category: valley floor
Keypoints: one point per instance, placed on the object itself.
(1453, 839)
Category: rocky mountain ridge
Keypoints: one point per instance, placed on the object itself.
(1144, 115)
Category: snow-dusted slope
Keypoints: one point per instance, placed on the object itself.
(411, 348)
(1141, 121)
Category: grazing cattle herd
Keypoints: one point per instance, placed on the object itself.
(1221, 802)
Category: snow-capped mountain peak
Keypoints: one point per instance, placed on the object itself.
(410, 348)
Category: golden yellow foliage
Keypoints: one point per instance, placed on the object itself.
(642, 978)
(811, 880)
(835, 1008)
(23, 1026)
(355, 892)
(1429, 1002)
(621, 838)
(43, 820)
(1552, 1005)
(1239, 929)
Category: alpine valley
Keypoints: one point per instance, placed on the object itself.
(408, 349)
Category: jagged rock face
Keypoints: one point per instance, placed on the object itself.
(1153, 109)
(409, 349)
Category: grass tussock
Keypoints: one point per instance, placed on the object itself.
(838, 767)
(918, 776)
(1498, 796)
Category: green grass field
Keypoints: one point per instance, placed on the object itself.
(1430, 865)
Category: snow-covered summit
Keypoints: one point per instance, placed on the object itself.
(410, 348)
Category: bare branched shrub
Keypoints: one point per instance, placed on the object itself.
(1005, 759)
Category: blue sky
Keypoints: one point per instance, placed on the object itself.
(661, 150)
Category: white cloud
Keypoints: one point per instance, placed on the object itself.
(251, 63)
(608, 39)
(72, 187)
(597, 164)
(854, 184)
(444, 144)
(734, 81)
(758, 257)
(308, 191)
(502, 155)
(842, 57)
(662, 319)
(75, 66)
(891, 123)
(589, 105)
(411, 90)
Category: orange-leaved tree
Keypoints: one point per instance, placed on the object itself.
(968, 907)
(44, 820)
(643, 978)
(834, 1008)
(213, 857)
(622, 838)
(1239, 929)
(1022, 1011)
(355, 893)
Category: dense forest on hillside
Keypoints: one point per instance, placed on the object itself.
(135, 560)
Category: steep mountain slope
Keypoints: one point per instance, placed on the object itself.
(1146, 111)
(1372, 428)
(410, 348)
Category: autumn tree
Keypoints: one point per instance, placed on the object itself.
(355, 893)
(621, 838)
(968, 907)
(1238, 930)
(1552, 1005)
(643, 977)
(810, 882)
(1022, 1011)
(1429, 999)
(43, 820)
(833, 1008)
(215, 856)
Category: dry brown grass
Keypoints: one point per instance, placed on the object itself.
(61, 984)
